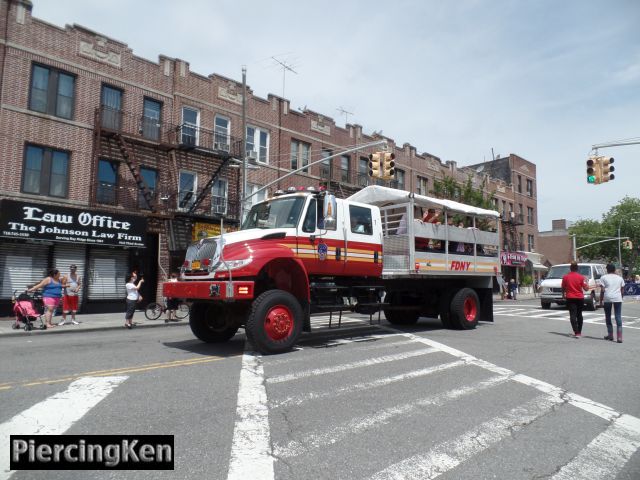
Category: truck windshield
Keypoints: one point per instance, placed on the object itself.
(276, 213)
(560, 271)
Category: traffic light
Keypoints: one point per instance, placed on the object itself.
(606, 168)
(627, 244)
(591, 170)
(388, 165)
(375, 169)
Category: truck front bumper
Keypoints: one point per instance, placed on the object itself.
(208, 290)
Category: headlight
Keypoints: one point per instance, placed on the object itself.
(232, 264)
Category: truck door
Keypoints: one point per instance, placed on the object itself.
(363, 256)
(322, 247)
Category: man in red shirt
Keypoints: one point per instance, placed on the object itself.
(572, 286)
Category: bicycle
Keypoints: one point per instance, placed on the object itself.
(154, 310)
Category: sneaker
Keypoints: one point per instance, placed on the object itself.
(75, 322)
(609, 337)
(61, 322)
(619, 340)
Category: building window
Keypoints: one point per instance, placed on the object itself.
(400, 179)
(521, 246)
(151, 119)
(363, 172)
(52, 91)
(219, 197)
(300, 154)
(520, 213)
(519, 184)
(530, 242)
(256, 197)
(111, 103)
(45, 172)
(187, 189)
(190, 124)
(107, 182)
(345, 168)
(150, 177)
(222, 126)
(423, 186)
(530, 215)
(530, 187)
(258, 144)
(325, 166)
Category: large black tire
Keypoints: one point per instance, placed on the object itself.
(275, 322)
(591, 304)
(211, 323)
(465, 309)
(400, 317)
(545, 305)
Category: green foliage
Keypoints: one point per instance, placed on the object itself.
(450, 189)
(623, 217)
(526, 281)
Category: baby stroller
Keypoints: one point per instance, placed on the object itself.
(28, 309)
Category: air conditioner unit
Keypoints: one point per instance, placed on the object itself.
(220, 209)
(221, 146)
(252, 155)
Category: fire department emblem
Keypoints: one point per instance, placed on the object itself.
(322, 251)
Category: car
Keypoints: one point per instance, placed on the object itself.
(551, 286)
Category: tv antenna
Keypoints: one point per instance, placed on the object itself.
(345, 113)
(285, 67)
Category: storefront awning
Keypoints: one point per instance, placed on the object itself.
(535, 259)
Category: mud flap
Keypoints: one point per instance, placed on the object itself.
(486, 304)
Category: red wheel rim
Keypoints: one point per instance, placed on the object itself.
(470, 309)
(278, 323)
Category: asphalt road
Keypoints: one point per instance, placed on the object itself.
(517, 399)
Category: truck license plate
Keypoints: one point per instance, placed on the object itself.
(195, 265)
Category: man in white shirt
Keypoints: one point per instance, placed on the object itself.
(611, 294)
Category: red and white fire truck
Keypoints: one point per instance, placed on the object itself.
(305, 252)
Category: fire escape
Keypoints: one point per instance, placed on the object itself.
(510, 222)
(143, 143)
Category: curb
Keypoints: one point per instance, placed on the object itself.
(97, 328)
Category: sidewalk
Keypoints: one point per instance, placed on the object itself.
(88, 322)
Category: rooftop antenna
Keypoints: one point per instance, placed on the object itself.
(285, 67)
(345, 113)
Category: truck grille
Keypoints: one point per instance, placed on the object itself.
(205, 249)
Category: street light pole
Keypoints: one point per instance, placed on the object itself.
(243, 150)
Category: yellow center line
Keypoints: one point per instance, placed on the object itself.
(116, 371)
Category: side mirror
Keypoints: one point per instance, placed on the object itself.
(329, 211)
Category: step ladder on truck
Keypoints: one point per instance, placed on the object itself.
(304, 251)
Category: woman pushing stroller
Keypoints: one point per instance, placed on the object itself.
(51, 294)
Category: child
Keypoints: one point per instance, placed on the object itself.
(172, 303)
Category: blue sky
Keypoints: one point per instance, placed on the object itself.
(541, 79)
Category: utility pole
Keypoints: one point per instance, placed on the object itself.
(243, 150)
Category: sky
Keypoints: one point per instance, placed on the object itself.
(462, 80)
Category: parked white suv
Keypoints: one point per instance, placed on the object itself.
(551, 286)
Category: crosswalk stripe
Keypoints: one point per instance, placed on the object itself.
(381, 382)
(56, 414)
(384, 416)
(347, 366)
(251, 445)
(452, 453)
(606, 454)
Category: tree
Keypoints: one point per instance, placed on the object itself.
(450, 189)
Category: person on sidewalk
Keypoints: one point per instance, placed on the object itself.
(133, 297)
(611, 295)
(73, 283)
(51, 294)
(172, 303)
(573, 285)
(513, 288)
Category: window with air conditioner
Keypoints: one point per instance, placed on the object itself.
(257, 145)
(222, 127)
(219, 197)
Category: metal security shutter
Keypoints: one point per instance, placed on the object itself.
(65, 255)
(21, 264)
(106, 275)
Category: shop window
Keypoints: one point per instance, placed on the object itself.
(107, 182)
(52, 91)
(45, 171)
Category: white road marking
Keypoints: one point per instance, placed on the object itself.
(381, 382)
(606, 454)
(56, 414)
(347, 366)
(452, 453)
(251, 446)
(361, 424)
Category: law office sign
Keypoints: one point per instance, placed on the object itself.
(33, 221)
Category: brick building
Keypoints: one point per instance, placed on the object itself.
(556, 244)
(114, 162)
